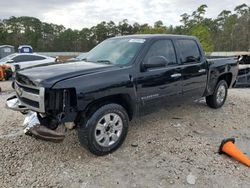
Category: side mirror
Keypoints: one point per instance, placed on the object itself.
(192, 59)
(155, 62)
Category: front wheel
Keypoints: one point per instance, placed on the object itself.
(219, 96)
(105, 130)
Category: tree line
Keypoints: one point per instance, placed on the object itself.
(229, 31)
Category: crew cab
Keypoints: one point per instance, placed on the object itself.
(120, 79)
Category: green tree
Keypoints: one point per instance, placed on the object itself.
(3, 32)
(196, 25)
(229, 31)
(201, 31)
(125, 28)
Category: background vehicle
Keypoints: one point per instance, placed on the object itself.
(121, 78)
(243, 78)
(24, 60)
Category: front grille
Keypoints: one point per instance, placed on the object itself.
(29, 102)
(243, 71)
(30, 96)
(31, 90)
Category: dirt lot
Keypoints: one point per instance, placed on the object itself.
(163, 149)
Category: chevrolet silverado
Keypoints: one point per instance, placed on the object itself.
(119, 79)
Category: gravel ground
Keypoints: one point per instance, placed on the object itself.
(175, 147)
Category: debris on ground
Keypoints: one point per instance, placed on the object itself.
(134, 145)
(191, 179)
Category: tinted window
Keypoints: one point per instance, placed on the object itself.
(37, 58)
(188, 48)
(163, 48)
(20, 58)
(23, 58)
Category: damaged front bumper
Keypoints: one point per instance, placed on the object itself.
(14, 103)
(32, 123)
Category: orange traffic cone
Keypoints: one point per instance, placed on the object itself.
(227, 147)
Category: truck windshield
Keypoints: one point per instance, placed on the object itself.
(115, 51)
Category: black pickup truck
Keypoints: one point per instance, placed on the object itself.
(118, 80)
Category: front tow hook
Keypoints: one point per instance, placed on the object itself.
(35, 129)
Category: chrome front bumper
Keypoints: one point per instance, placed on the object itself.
(29, 99)
(32, 124)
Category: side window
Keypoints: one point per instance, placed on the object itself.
(30, 58)
(23, 58)
(163, 48)
(189, 51)
(35, 58)
(19, 58)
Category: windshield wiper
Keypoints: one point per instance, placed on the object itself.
(104, 61)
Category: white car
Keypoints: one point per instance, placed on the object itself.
(24, 60)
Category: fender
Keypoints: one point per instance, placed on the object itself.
(96, 86)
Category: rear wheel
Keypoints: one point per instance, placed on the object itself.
(219, 96)
(105, 130)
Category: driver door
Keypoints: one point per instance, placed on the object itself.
(159, 86)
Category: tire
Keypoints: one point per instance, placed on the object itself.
(219, 96)
(99, 137)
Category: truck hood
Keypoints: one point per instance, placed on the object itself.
(47, 76)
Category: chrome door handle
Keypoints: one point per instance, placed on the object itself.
(202, 70)
(176, 75)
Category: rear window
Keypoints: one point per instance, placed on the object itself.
(34, 58)
(188, 50)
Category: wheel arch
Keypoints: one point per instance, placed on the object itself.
(122, 99)
(227, 77)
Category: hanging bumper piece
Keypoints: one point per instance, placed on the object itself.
(32, 124)
(35, 129)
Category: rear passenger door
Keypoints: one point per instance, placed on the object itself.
(194, 68)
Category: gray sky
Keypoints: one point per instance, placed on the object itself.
(86, 13)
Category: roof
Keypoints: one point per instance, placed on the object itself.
(149, 36)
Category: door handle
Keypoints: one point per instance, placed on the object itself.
(202, 70)
(176, 75)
